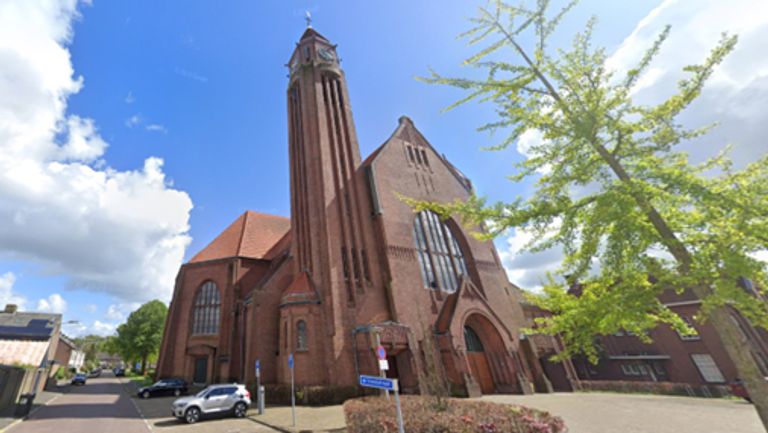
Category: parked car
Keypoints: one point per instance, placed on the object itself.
(164, 387)
(224, 399)
(119, 372)
(79, 379)
(96, 372)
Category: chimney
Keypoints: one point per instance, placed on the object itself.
(11, 308)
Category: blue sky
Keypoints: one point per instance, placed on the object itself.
(200, 85)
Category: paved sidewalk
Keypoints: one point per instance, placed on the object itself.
(593, 412)
(7, 417)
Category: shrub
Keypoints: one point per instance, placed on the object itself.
(377, 415)
(309, 395)
(661, 388)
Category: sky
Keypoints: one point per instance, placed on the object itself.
(132, 133)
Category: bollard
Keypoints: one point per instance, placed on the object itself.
(261, 400)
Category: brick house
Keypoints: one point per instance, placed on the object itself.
(353, 267)
(698, 361)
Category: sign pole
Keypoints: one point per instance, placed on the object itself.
(259, 403)
(293, 393)
(400, 427)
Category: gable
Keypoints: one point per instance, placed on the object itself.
(417, 153)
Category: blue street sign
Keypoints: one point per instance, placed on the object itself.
(290, 360)
(258, 366)
(378, 382)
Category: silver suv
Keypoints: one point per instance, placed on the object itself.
(216, 399)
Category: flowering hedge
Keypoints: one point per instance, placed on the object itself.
(377, 415)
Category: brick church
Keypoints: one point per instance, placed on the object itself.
(353, 267)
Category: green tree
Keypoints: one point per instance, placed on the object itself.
(140, 336)
(613, 191)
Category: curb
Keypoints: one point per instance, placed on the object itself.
(290, 430)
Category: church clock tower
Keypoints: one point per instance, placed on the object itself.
(333, 235)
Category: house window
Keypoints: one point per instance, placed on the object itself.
(690, 325)
(207, 308)
(632, 370)
(301, 335)
(707, 368)
(424, 157)
(441, 260)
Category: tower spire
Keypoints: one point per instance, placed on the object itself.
(308, 18)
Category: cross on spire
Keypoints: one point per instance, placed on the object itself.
(308, 18)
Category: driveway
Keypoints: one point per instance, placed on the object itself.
(630, 413)
(99, 406)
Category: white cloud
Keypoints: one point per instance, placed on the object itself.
(129, 98)
(103, 328)
(736, 96)
(134, 120)
(64, 208)
(7, 280)
(52, 304)
(90, 308)
(97, 327)
(120, 312)
(156, 127)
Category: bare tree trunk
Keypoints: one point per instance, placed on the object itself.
(738, 349)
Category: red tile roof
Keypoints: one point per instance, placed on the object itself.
(252, 235)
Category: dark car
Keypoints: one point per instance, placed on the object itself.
(96, 372)
(164, 387)
(119, 372)
(79, 379)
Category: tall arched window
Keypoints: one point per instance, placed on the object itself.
(207, 310)
(440, 258)
(301, 335)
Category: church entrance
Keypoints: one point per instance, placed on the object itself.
(201, 370)
(478, 363)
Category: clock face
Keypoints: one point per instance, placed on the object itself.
(326, 54)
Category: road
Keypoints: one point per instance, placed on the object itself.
(104, 406)
(100, 406)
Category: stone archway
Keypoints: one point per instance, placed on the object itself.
(485, 352)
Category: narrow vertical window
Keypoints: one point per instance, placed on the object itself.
(301, 335)
(424, 157)
(205, 317)
(410, 153)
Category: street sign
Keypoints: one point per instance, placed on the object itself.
(383, 364)
(378, 382)
(380, 352)
(258, 368)
(290, 361)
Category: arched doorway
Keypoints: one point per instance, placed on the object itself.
(478, 363)
(487, 356)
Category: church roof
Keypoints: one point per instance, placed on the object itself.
(300, 291)
(252, 235)
(310, 32)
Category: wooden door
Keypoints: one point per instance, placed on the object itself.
(478, 363)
